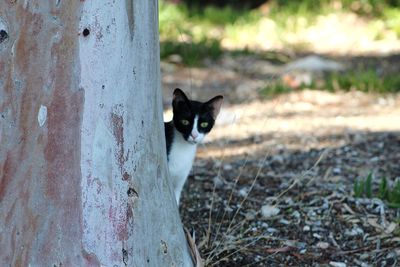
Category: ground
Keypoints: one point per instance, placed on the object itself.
(273, 186)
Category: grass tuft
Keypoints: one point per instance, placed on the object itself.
(390, 194)
(192, 53)
(363, 80)
(368, 81)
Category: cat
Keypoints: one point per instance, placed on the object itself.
(191, 122)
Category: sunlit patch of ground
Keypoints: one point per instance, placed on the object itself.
(336, 33)
(307, 114)
(310, 112)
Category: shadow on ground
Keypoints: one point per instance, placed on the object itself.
(318, 220)
(274, 184)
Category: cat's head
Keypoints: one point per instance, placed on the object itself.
(194, 119)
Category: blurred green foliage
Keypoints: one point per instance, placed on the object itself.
(392, 18)
(368, 81)
(275, 88)
(208, 25)
(363, 80)
(192, 53)
(195, 32)
(362, 7)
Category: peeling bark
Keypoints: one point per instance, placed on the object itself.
(82, 161)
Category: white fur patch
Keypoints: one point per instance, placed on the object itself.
(180, 162)
(195, 136)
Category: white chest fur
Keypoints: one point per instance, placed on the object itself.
(180, 161)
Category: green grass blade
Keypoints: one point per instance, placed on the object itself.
(368, 186)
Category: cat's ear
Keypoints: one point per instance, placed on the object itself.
(215, 104)
(180, 100)
(179, 96)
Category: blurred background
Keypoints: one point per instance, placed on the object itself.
(303, 166)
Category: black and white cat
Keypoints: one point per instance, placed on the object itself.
(191, 122)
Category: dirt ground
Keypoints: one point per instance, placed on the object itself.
(273, 184)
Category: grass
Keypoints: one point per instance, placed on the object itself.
(196, 34)
(363, 187)
(275, 89)
(192, 53)
(363, 80)
(391, 194)
(371, 8)
(213, 29)
(368, 81)
(391, 16)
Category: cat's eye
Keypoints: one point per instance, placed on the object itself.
(203, 124)
(185, 122)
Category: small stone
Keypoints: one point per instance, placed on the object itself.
(337, 170)
(374, 159)
(228, 209)
(290, 243)
(317, 223)
(296, 244)
(301, 245)
(264, 225)
(317, 236)
(243, 192)
(322, 245)
(289, 201)
(277, 159)
(319, 229)
(392, 226)
(217, 164)
(283, 221)
(354, 231)
(337, 264)
(311, 214)
(268, 211)
(227, 167)
(251, 215)
(272, 230)
(314, 64)
(218, 182)
(296, 214)
(306, 228)
(325, 205)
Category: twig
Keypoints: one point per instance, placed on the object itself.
(296, 180)
(236, 251)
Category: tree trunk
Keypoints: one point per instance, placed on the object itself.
(83, 178)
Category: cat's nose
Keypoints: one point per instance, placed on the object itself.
(194, 135)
